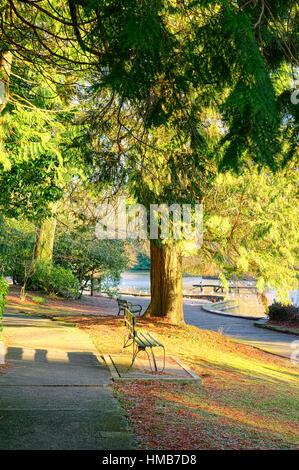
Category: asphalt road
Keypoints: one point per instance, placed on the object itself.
(240, 329)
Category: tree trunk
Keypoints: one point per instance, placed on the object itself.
(91, 283)
(23, 293)
(166, 283)
(5, 71)
(44, 250)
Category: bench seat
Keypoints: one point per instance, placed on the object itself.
(140, 340)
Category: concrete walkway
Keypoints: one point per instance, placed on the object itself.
(239, 329)
(56, 395)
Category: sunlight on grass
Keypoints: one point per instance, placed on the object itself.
(248, 399)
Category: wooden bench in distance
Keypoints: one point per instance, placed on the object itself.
(125, 304)
(140, 341)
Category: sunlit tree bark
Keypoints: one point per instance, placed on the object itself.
(5, 71)
(44, 250)
(166, 283)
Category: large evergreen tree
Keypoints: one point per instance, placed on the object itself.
(196, 108)
(193, 86)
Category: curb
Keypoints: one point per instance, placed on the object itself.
(185, 296)
(192, 378)
(233, 315)
(263, 324)
(204, 306)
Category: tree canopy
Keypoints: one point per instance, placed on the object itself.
(172, 60)
(165, 100)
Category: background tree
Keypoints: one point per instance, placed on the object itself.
(143, 262)
(97, 264)
(34, 114)
(250, 227)
(17, 244)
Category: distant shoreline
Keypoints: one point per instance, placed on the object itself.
(214, 278)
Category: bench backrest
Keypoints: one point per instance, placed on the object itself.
(122, 303)
(130, 322)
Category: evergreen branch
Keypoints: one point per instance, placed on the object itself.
(84, 47)
(59, 19)
(280, 33)
(32, 106)
(34, 26)
(261, 15)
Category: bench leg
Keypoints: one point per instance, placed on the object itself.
(133, 360)
(163, 360)
(135, 352)
(126, 343)
(154, 360)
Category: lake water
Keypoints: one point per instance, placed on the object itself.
(139, 282)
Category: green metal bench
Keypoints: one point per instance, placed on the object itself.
(140, 341)
(125, 304)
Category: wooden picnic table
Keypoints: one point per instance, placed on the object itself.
(218, 288)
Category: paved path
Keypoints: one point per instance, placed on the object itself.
(56, 395)
(240, 329)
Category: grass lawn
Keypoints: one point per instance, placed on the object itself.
(249, 399)
(284, 326)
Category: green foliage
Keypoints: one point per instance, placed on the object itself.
(106, 259)
(16, 248)
(143, 262)
(284, 313)
(165, 64)
(255, 231)
(223, 281)
(53, 280)
(28, 188)
(35, 128)
(3, 293)
(93, 260)
(168, 65)
(39, 300)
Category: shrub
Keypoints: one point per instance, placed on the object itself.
(106, 259)
(53, 280)
(3, 293)
(39, 300)
(286, 313)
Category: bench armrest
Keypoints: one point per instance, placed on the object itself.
(136, 309)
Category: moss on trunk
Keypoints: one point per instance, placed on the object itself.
(44, 250)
